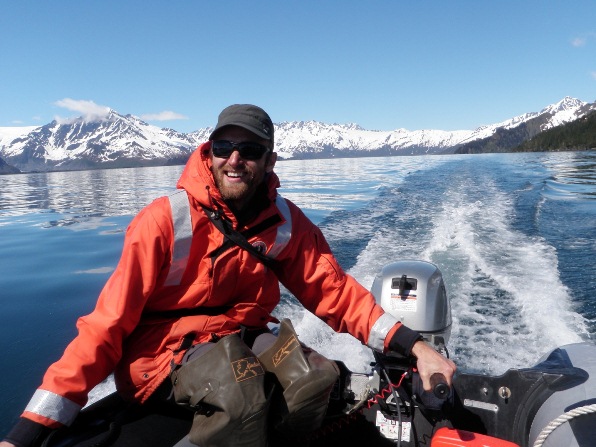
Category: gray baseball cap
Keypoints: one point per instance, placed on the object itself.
(250, 117)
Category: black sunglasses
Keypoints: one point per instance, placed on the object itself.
(247, 150)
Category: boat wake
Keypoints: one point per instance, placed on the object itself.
(509, 304)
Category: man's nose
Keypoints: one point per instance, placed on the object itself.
(235, 158)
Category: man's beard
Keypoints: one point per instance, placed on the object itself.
(236, 195)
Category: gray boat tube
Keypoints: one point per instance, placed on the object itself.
(568, 417)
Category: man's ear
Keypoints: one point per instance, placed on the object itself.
(271, 162)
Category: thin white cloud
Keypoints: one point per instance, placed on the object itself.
(88, 109)
(166, 115)
(593, 75)
(582, 40)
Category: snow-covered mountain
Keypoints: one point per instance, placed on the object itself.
(505, 136)
(111, 140)
(567, 110)
(7, 135)
(312, 139)
(114, 140)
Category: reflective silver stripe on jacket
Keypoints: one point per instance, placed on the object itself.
(180, 205)
(284, 231)
(53, 406)
(379, 331)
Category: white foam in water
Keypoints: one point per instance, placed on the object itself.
(508, 303)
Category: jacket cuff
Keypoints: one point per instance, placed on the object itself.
(27, 433)
(403, 340)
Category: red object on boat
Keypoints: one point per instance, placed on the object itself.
(451, 437)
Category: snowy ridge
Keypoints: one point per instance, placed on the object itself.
(8, 134)
(296, 139)
(114, 140)
(564, 111)
(111, 140)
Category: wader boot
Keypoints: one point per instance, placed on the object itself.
(306, 378)
(226, 388)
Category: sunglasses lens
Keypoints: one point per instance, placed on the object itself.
(222, 149)
(251, 151)
(248, 150)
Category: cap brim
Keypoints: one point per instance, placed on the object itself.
(259, 133)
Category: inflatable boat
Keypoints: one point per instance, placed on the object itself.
(549, 404)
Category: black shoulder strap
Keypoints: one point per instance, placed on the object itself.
(149, 316)
(238, 238)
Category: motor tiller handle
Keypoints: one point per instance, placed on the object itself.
(439, 385)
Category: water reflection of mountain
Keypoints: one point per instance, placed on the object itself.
(85, 195)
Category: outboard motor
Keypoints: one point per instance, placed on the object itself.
(550, 404)
(414, 293)
(392, 399)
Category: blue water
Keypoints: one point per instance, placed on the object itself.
(513, 234)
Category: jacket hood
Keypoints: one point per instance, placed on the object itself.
(197, 180)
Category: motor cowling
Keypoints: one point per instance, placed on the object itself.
(414, 292)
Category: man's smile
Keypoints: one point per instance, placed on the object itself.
(235, 176)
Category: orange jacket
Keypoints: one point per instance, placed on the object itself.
(118, 337)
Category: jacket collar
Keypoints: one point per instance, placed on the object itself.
(197, 180)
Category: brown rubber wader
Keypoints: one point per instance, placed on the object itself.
(226, 388)
(306, 378)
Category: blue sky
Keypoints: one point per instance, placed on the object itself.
(384, 64)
